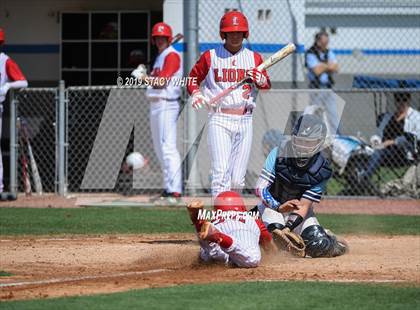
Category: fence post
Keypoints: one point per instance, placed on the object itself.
(13, 144)
(192, 51)
(62, 182)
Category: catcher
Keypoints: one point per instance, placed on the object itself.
(293, 178)
(230, 239)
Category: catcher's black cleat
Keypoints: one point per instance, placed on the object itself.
(340, 246)
(322, 243)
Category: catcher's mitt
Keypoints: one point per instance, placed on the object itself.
(289, 241)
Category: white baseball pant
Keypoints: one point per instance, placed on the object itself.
(1, 156)
(229, 140)
(163, 118)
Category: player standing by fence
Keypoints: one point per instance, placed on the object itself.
(230, 121)
(164, 109)
(11, 77)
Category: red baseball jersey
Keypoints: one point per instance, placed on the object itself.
(9, 72)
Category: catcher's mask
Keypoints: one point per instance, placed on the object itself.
(308, 137)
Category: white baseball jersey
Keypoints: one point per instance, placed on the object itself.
(227, 69)
(3, 74)
(172, 91)
(244, 251)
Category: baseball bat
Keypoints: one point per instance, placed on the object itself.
(24, 162)
(270, 61)
(25, 176)
(32, 162)
(178, 37)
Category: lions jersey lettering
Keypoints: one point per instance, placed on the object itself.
(229, 75)
(221, 75)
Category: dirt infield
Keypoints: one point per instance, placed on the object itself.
(329, 205)
(50, 267)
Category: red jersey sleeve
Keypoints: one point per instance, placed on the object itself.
(265, 236)
(199, 72)
(13, 71)
(259, 60)
(171, 65)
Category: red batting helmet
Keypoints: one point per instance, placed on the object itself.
(1, 36)
(232, 22)
(229, 201)
(162, 30)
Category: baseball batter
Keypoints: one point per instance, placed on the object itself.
(10, 77)
(230, 120)
(164, 108)
(294, 177)
(231, 240)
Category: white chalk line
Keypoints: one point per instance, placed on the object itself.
(82, 278)
(54, 239)
(106, 238)
(124, 274)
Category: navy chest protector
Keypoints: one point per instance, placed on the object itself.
(291, 182)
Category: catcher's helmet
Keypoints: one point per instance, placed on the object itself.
(233, 22)
(229, 201)
(162, 30)
(1, 36)
(308, 136)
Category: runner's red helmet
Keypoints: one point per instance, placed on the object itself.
(1, 36)
(229, 201)
(233, 21)
(162, 30)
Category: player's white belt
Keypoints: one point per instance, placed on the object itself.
(156, 99)
(237, 111)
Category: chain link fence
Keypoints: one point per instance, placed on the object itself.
(379, 63)
(351, 152)
(36, 134)
(105, 124)
(368, 38)
(378, 70)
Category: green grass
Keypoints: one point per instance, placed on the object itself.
(250, 295)
(371, 224)
(5, 273)
(17, 221)
(28, 221)
(384, 175)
